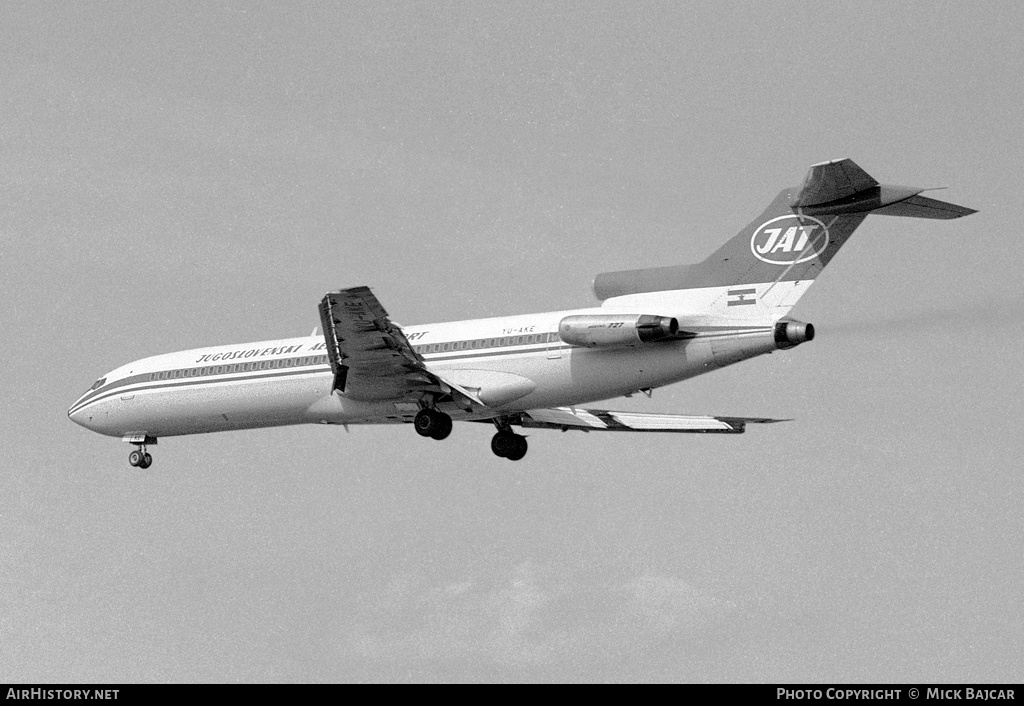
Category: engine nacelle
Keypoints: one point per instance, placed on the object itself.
(793, 333)
(612, 330)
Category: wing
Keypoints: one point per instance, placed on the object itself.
(566, 418)
(370, 356)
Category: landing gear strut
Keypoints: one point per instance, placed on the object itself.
(430, 422)
(507, 444)
(140, 458)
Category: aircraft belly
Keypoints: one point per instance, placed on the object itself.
(596, 375)
(337, 409)
(589, 375)
(732, 348)
(586, 375)
(516, 376)
(220, 406)
(666, 364)
(607, 373)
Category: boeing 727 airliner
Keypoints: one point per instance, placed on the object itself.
(654, 327)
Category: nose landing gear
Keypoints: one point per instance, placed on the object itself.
(139, 458)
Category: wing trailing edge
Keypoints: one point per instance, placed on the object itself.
(567, 418)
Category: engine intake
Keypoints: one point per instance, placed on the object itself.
(792, 333)
(612, 330)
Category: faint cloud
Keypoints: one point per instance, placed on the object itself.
(456, 589)
(666, 603)
(536, 615)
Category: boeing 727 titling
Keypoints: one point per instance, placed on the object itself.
(654, 327)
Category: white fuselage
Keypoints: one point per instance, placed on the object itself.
(289, 381)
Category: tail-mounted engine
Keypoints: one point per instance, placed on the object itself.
(613, 330)
(792, 333)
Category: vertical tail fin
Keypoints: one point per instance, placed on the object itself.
(767, 266)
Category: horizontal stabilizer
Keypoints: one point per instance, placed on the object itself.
(924, 207)
(765, 268)
(566, 418)
(841, 187)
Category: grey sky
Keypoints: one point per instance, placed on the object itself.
(181, 175)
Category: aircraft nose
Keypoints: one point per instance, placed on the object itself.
(82, 417)
(77, 416)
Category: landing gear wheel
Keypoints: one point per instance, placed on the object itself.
(505, 444)
(139, 458)
(444, 427)
(424, 422)
(436, 425)
(519, 448)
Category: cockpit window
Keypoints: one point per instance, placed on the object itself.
(98, 384)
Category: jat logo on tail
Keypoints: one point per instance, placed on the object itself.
(787, 240)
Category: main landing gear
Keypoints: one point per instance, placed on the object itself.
(438, 425)
(507, 444)
(140, 458)
(430, 422)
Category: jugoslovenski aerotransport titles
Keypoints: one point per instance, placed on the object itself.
(654, 327)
